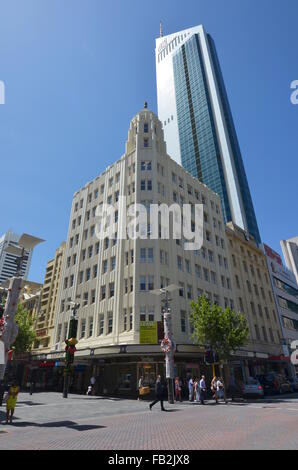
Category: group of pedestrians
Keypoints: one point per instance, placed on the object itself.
(198, 389)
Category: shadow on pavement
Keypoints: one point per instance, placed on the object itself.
(58, 424)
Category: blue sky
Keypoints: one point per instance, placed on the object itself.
(77, 71)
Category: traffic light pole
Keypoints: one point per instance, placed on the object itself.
(70, 348)
(169, 355)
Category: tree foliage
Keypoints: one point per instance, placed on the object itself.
(223, 330)
(26, 335)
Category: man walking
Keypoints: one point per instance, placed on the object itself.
(202, 389)
(159, 393)
(191, 389)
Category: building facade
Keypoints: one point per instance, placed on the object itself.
(285, 290)
(45, 321)
(112, 279)
(8, 265)
(254, 297)
(197, 120)
(290, 252)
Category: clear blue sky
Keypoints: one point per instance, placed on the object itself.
(77, 71)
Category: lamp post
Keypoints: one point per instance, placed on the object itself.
(168, 345)
(10, 330)
(70, 348)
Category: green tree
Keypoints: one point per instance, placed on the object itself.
(222, 330)
(26, 335)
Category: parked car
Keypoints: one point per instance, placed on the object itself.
(274, 383)
(252, 387)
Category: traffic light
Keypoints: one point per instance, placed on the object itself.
(211, 358)
(73, 328)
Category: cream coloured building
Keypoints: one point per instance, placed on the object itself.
(254, 297)
(45, 320)
(112, 279)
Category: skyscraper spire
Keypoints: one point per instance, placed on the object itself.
(161, 30)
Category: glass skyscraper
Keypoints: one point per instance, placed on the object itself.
(197, 120)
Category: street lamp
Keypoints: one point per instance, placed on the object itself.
(70, 348)
(168, 345)
(10, 330)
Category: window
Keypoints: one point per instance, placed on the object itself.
(130, 319)
(113, 263)
(88, 274)
(150, 282)
(105, 266)
(146, 142)
(83, 329)
(183, 321)
(189, 292)
(90, 332)
(85, 299)
(180, 263)
(111, 289)
(150, 255)
(101, 325)
(187, 265)
(142, 283)
(110, 323)
(81, 277)
(103, 292)
(95, 271)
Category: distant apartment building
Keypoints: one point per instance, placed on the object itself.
(8, 265)
(45, 321)
(286, 296)
(290, 252)
(254, 297)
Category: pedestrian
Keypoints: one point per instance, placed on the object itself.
(214, 388)
(202, 389)
(140, 386)
(190, 389)
(11, 401)
(159, 394)
(220, 392)
(178, 389)
(196, 390)
(93, 382)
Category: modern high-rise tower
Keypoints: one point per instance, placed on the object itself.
(8, 266)
(197, 120)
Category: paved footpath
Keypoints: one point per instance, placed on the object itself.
(47, 421)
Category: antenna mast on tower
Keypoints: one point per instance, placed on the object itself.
(161, 30)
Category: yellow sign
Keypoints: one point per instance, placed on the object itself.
(148, 332)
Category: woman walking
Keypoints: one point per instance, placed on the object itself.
(214, 388)
(178, 389)
(11, 401)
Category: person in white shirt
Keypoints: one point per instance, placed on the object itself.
(202, 389)
(220, 389)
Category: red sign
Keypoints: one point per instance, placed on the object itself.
(273, 255)
(279, 358)
(47, 364)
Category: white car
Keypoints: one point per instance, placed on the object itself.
(252, 387)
